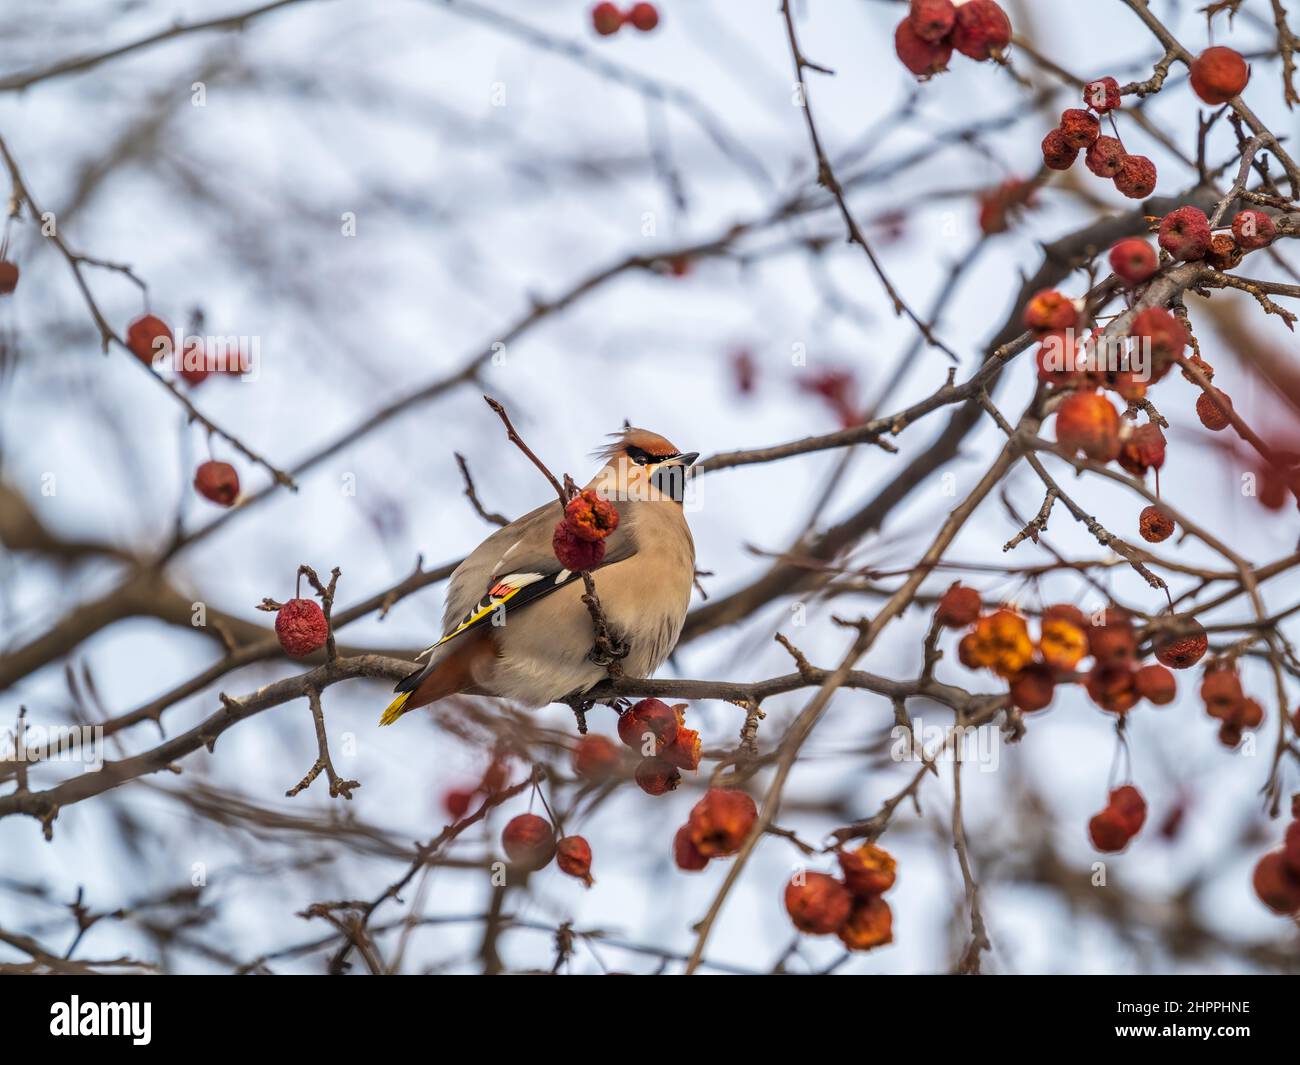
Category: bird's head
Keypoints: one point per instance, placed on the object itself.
(641, 465)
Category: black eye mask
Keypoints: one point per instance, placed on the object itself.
(642, 457)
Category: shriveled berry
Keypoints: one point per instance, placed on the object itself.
(657, 776)
(590, 517)
(720, 821)
(1221, 692)
(1062, 643)
(1080, 128)
(1254, 229)
(685, 750)
(923, 58)
(218, 482)
(1156, 684)
(1049, 310)
(1155, 525)
(573, 856)
(685, 854)
(932, 20)
(1000, 642)
(1224, 252)
(596, 758)
(868, 870)
(958, 607)
(981, 29)
(647, 721)
(1088, 422)
(1185, 233)
(1105, 157)
(870, 924)
(573, 552)
(1058, 153)
(1213, 410)
(1102, 95)
(300, 627)
(1143, 449)
(1218, 74)
(817, 903)
(1137, 177)
(1113, 688)
(529, 842)
(1184, 649)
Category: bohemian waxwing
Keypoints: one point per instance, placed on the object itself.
(515, 625)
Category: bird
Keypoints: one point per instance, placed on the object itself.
(515, 625)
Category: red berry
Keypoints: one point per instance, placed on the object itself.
(1276, 885)
(1128, 803)
(218, 482)
(870, 924)
(1164, 336)
(1253, 229)
(1213, 410)
(923, 58)
(589, 517)
(1105, 157)
(1058, 153)
(644, 17)
(1291, 847)
(8, 277)
(1143, 450)
(684, 852)
(720, 821)
(657, 776)
(1112, 688)
(193, 363)
(685, 750)
(573, 856)
(300, 627)
(1219, 74)
(648, 719)
(149, 337)
(1185, 233)
(596, 758)
(869, 870)
(1184, 649)
(817, 903)
(1108, 831)
(456, 802)
(958, 607)
(1221, 692)
(1102, 95)
(1134, 261)
(1137, 177)
(1050, 311)
(981, 29)
(1088, 422)
(1155, 525)
(932, 20)
(1080, 128)
(574, 552)
(529, 842)
(606, 19)
(1155, 684)
(1033, 687)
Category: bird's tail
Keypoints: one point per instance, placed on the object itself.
(395, 709)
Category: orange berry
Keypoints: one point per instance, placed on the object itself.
(817, 903)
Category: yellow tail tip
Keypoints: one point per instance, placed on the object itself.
(395, 709)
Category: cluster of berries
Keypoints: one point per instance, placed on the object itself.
(607, 19)
(530, 844)
(1121, 820)
(579, 539)
(149, 337)
(1227, 702)
(716, 828)
(932, 29)
(853, 907)
(1000, 642)
(659, 734)
(1277, 876)
(1080, 131)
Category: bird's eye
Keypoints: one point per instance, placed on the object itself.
(638, 456)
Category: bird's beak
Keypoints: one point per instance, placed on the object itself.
(682, 460)
(671, 475)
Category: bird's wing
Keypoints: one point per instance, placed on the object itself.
(516, 566)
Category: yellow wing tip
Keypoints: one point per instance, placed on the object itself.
(395, 709)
